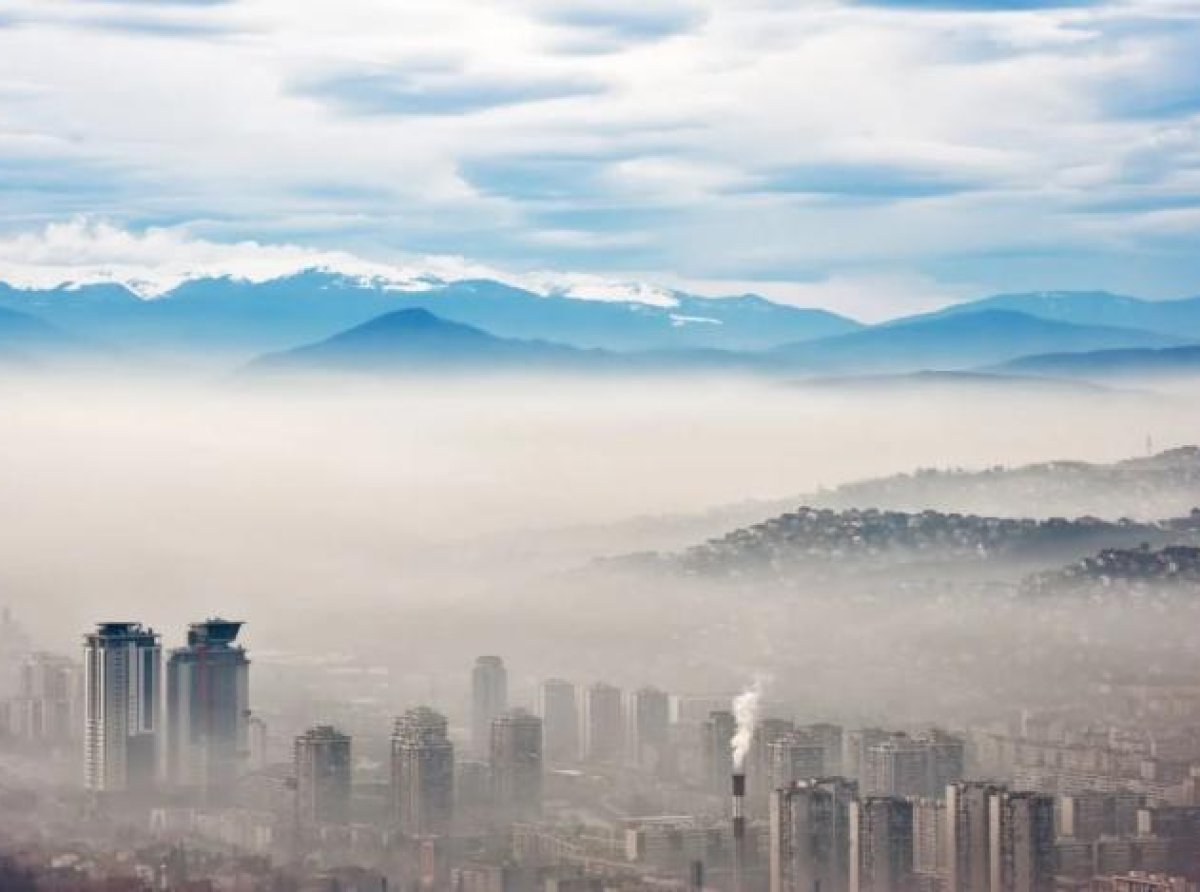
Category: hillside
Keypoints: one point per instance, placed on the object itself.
(1123, 572)
(956, 342)
(238, 315)
(1178, 318)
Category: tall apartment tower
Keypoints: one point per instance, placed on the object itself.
(651, 726)
(323, 765)
(604, 723)
(489, 698)
(796, 756)
(208, 709)
(1021, 842)
(929, 841)
(881, 845)
(516, 765)
(422, 773)
(122, 665)
(759, 779)
(46, 711)
(559, 709)
(810, 836)
(717, 747)
(968, 862)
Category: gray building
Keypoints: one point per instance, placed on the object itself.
(604, 723)
(881, 845)
(122, 668)
(559, 708)
(422, 773)
(717, 748)
(651, 727)
(324, 776)
(968, 845)
(810, 836)
(516, 765)
(1021, 842)
(489, 698)
(208, 709)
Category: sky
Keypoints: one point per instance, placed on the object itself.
(875, 157)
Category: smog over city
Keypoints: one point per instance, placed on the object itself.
(557, 446)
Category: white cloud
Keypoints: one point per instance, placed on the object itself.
(702, 124)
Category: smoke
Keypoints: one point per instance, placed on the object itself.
(745, 710)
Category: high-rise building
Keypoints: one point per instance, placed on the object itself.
(14, 649)
(810, 836)
(516, 765)
(717, 747)
(208, 708)
(881, 845)
(324, 774)
(1021, 842)
(796, 756)
(759, 777)
(968, 862)
(47, 708)
(489, 698)
(604, 723)
(559, 709)
(122, 711)
(929, 840)
(831, 737)
(923, 765)
(422, 773)
(651, 727)
(855, 744)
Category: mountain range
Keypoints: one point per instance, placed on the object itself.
(320, 319)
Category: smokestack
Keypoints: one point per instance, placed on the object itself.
(739, 830)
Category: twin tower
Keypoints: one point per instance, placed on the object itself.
(206, 737)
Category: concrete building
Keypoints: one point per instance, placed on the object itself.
(796, 756)
(122, 707)
(759, 777)
(1021, 842)
(717, 748)
(922, 765)
(603, 723)
(881, 845)
(810, 836)
(208, 709)
(968, 845)
(516, 765)
(489, 698)
(559, 709)
(651, 727)
(422, 773)
(324, 776)
(929, 842)
(48, 707)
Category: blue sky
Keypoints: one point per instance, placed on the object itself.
(873, 157)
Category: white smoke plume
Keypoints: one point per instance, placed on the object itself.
(745, 710)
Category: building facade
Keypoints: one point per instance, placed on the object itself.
(516, 765)
(122, 707)
(422, 773)
(489, 698)
(208, 709)
(324, 772)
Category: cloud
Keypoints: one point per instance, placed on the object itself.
(395, 91)
(757, 141)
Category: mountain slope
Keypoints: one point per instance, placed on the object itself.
(26, 340)
(1109, 363)
(957, 342)
(417, 340)
(237, 315)
(1179, 318)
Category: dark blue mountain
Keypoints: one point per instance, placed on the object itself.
(956, 342)
(415, 340)
(26, 340)
(1179, 318)
(236, 315)
(1104, 363)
